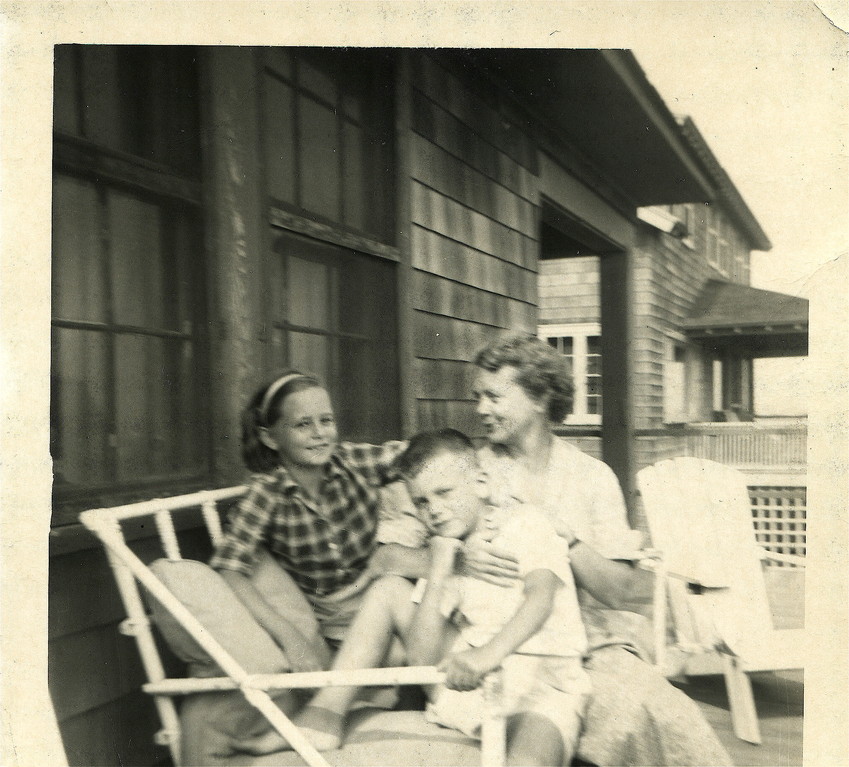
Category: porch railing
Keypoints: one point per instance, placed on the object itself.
(751, 445)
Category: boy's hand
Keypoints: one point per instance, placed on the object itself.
(466, 670)
(443, 553)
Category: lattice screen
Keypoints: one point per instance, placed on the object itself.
(779, 515)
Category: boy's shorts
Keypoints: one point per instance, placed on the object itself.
(552, 686)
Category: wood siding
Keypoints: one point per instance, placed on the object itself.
(95, 672)
(474, 238)
(569, 291)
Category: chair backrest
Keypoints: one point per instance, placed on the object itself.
(129, 571)
(699, 517)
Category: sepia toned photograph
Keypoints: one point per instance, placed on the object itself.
(412, 401)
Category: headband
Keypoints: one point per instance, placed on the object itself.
(272, 390)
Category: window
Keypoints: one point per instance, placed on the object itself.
(581, 344)
(328, 126)
(333, 312)
(128, 376)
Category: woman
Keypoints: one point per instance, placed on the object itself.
(636, 717)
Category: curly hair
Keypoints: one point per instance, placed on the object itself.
(543, 373)
(259, 414)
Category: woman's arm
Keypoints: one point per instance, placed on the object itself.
(612, 582)
(466, 670)
(302, 653)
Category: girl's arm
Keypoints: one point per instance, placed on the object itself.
(466, 670)
(303, 654)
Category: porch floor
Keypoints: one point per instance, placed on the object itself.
(779, 698)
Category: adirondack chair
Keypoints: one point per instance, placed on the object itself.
(700, 520)
(430, 743)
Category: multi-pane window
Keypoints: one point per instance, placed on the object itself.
(581, 344)
(333, 312)
(128, 382)
(328, 121)
(328, 126)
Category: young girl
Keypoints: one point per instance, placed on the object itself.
(312, 505)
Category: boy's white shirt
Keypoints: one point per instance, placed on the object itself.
(529, 535)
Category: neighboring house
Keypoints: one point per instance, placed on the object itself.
(374, 215)
(697, 326)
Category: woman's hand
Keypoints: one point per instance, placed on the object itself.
(465, 670)
(488, 563)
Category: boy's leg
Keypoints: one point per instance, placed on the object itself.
(533, 739)
(386, 611)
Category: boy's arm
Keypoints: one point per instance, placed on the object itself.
(429, 632)
(465, 670)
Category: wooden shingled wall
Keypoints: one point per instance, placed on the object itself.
(474, 238)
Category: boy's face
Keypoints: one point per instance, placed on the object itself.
(450, 494)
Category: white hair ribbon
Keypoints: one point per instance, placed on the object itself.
(272, 390)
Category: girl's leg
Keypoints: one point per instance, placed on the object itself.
(533, 739)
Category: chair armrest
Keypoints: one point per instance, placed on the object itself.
(790, 559)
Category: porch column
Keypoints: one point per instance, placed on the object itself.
(236, 243)
(617, 336)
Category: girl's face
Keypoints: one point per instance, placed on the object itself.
(506, 410)
(305, 435)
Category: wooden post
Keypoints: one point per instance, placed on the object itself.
(235, 216)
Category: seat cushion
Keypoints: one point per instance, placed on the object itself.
(375, 737)
(206, 595)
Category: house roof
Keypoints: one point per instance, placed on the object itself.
(763, 322)
(725, 191)
(601, 103)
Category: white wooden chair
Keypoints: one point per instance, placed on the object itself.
(130, 571)
(700, 520)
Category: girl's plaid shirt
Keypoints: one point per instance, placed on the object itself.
(324, 543)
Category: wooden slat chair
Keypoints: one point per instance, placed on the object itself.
(130, 571)
(700, 520)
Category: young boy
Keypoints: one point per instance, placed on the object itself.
(467, 627)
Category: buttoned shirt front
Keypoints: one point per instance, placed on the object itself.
(324, 543)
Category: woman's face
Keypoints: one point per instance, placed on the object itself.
(305, 435)
(507, 412)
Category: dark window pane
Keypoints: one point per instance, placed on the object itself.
(66, 116)
(357, 197)
(137, 278)
(319, 155)
(361, 310)
(308, 293)
(313, 76)
(142, 100)
(80, 417)
(280, 61)
(79, 291)
(367, 390)
(310, 353)
(279, 141)
(103, 121)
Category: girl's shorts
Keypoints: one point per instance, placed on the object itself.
(552, 686)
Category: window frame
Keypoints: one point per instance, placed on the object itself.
(579, 332)
(174, 194)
